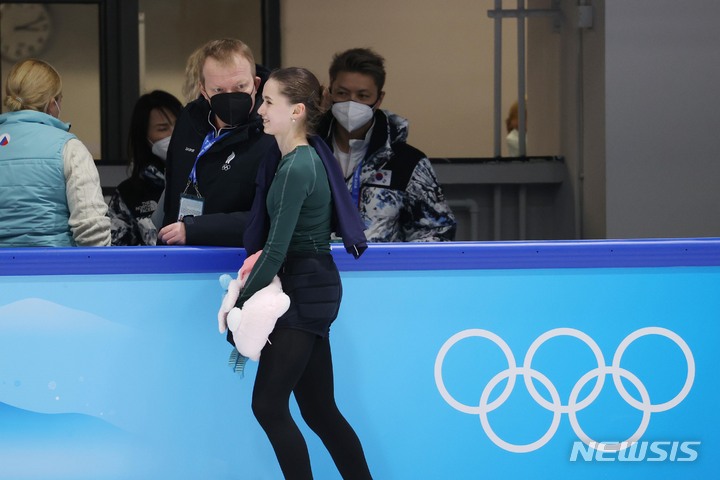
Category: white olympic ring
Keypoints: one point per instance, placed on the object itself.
(573, 406)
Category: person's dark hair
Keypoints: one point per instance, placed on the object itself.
(139, 147)
(359, 60)
(300, 85)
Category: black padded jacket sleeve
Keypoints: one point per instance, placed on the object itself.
(216, 229)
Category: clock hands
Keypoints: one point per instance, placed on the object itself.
(31, 26)
(25, 30)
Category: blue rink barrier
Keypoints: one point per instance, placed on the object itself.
(544, 360)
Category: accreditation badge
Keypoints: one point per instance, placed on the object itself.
(190, 206)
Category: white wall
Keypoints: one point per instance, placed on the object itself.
(662, 67)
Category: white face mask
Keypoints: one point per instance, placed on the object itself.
(57, 105)
(352, 115)
(160, 148)
(513, 143)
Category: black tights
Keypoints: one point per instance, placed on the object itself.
(300, 362)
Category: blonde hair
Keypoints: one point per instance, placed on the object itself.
(31, 85)
(223, 51)
(511, 122)
(193, 70)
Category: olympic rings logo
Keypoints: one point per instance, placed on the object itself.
(574, 404)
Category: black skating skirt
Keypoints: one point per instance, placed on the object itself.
(312, 282)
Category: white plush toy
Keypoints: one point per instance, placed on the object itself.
(252, 324)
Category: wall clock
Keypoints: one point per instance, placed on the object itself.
(24, 30)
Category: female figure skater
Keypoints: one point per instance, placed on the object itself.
(301, 204)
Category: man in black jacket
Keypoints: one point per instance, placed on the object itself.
(216, 149)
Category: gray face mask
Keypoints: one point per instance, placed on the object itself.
(352, 115)
(160, 148)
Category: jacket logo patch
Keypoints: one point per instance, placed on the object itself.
(382, 177)
(226, 166)
(188, 149)
(4, 139)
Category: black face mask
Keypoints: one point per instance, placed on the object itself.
(232, 108)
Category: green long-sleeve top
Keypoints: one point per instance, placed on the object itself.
(299, 204)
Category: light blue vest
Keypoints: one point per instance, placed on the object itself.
(33, 201)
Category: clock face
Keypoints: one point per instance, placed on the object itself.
(24, 30)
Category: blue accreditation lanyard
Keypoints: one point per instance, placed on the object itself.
(210, 140)
(355, 190)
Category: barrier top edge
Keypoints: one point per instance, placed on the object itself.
(378, 257)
